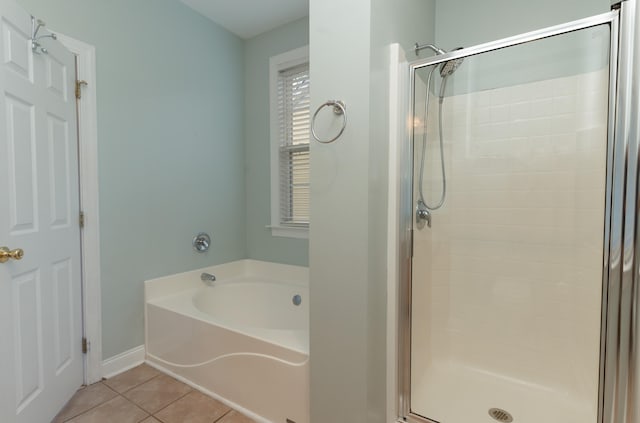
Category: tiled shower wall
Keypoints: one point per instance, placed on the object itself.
(508, 279)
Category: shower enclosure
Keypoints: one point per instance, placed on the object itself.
(518, 294)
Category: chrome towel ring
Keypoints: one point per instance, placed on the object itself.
(340, 109)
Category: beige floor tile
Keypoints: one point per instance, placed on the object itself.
(151, 420)
(193, 408)
(116, 410)
(131, 378)
(85, 399)
(235, 417)
(157, 393)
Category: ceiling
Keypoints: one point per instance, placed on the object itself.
(248, 18)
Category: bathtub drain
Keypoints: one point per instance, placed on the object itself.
(500, 415)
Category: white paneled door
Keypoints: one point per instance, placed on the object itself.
(41, 363)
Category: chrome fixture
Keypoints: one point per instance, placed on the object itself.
(339, 109)
(450, 66)
(36, 25)
(446, 70)
(423, 215)
(201, 242)
(207, 278)
(437, 50)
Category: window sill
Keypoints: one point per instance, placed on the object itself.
(289, 232)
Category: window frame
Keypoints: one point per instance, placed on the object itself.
(278, 63)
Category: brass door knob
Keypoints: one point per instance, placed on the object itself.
(6, 254)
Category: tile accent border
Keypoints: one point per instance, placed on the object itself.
(122, 362)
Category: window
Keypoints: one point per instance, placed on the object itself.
(290, 126)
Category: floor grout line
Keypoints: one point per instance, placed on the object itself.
(177, 399)
(95, 406)
(130, 402)
(134, 387)
(109, 387)
(145, 417)
(136, 405)
(223, 416)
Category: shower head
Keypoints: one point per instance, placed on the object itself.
(450, 66)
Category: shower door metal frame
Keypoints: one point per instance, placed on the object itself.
(619, 332)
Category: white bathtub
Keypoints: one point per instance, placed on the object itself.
(242, 340)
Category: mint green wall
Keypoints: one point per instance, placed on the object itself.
(170, 92)
(468, 22)
(340, 51)
(490, 20)
(260, 244)
(348, 251)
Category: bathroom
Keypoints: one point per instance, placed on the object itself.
(183, 130)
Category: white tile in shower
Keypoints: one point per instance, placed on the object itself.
(513, 261)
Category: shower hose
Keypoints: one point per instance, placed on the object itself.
(424, 144)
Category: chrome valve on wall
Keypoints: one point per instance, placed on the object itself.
(201, 242)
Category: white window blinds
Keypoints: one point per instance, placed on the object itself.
(294, 127)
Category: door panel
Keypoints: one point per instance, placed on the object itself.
(20, 124)
(59, 178)
(16, 56)
(63, 324)
(41, 360)
(27, 319)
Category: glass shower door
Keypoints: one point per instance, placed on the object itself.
(507, 274)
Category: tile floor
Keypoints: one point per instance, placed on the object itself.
(145, 395)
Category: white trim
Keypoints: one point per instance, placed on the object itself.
(88, 158)
(231, 404)
(398, 88)
(123, 361)
(289, 232)
(285, 60)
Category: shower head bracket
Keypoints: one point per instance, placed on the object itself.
(418, 47)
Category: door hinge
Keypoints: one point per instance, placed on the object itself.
(81, 219)
(85, 345)
(79, 85)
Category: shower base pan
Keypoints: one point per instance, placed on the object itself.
(453, 393)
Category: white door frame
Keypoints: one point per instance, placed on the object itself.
(90, 234)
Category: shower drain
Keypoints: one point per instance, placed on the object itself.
(500, 415)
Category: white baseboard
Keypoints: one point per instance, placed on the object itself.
(123, 362)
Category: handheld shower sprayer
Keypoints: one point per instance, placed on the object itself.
(448, 67)
(424, 209)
